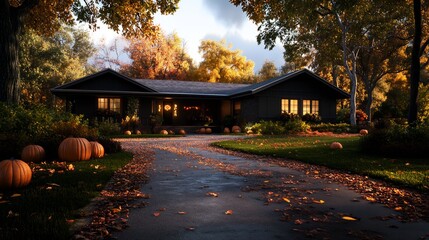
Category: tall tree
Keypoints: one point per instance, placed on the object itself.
(161, 58)
(415, 62)
(268, 70)
(222, 64)
(325, 28)
(129, 17)
(47, 62)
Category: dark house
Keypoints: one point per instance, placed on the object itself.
(185, 103)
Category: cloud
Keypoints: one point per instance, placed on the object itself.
(226, 13)
(251, 49)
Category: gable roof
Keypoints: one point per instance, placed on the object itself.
(190, 88)
(106, 71)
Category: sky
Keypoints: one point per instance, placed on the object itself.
(198, 20)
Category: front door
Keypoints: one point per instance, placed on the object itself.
(168, 113)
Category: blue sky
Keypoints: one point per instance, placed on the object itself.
(198, 20)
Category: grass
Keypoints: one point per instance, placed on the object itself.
(413, 173)
(41, 210)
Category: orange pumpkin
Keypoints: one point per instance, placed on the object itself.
(33, 153)
(171, 132)
(226, 130)
(74, 149)
(363, 132)
(97, 150)
(138, 132)
(182, 132)
(336, 145)
(14, 174)
(202, 130)
(208, 130)
(164, 132)
(127, 132)
(236, 129)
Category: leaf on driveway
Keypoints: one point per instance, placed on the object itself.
(212, 194)
(348, 218)
(369, 198)
(156, 214)
(182, 213)
(190, 228)
(228, 212)
(286, 200)
(319, 201)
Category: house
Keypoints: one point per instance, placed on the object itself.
(186, 103)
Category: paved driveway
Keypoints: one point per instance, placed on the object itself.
(199, 193)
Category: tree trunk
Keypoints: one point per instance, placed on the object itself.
(368, 108)
(9, 64)
(415, 63)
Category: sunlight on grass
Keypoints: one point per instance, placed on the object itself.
(315, 150)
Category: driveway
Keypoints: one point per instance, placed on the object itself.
(197, 192)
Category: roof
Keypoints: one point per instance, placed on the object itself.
(191, 88)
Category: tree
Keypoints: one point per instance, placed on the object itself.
(50, 61)
(109, 55)
(268, 70)
(314, 30)
(415, 62)
(130, 17)
(161, 58)
(222, 64)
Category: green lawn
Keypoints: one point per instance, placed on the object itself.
(41, 210)
(412, 173)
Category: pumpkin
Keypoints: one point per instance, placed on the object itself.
(127, 132)
(14, 173)
(236, 129)
(164, 132)
(202, 130)
(33, 153)
(74, 149)
(97, 150)
(363, 132)
(171, 132)
(336, 145)
(226, 130)
(208, 130)
(138, 132)
(182, 132)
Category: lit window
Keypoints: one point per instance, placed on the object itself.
(112, 104)
(315, 106)
(103, 103)
(306, 106)
(290, 106)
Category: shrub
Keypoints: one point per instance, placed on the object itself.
(254, 127)
(108, 128)
(311, 118)
(270, 127)
(343, 116)
(75, 127)
(130, 123)
(335, 128)
(398, 141)
(285, 116)
(296, 126)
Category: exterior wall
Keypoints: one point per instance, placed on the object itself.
(267, 104)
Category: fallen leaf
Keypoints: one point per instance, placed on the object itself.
(319, 201)
(156, 214)
(70, 167)
(398, 208)
(190, 228)
(15, 195)
(298, 221)
(182, 213)
(286, 200)
(4, 201)
(70, 221)
(116, 210)
(371, 199)
(228, 212)
(347, 218)
(213, 194)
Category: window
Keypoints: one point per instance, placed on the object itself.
(306, 106)
(310, 106)
(290, 106)
(315, 106)
(111, 104)
(237, 107)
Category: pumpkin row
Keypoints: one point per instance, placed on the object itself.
(70, 149)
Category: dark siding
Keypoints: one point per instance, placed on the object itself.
(86, 105)
(267, 103)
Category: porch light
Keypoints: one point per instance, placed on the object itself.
(175, 110)
(159, 108)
